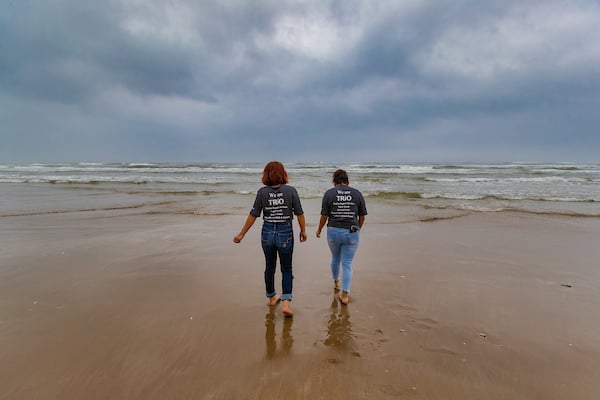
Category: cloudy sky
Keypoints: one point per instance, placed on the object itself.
(345, 80)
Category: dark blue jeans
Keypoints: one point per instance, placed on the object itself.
(278, 240)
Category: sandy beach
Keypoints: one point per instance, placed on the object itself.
(480, 306)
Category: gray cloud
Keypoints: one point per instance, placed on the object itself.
(225, 81)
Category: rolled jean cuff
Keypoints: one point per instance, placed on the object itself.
(269, 295)
(286, 296)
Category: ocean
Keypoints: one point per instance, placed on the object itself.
(229, 188)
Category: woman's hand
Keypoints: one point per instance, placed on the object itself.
(303, 236)
(249, 222)
(322, 222)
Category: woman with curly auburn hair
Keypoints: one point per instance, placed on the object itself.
(274, 174)
(278, 203)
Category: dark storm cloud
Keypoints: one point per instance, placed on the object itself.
(384, 80)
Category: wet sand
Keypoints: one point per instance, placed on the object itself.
(483, 306)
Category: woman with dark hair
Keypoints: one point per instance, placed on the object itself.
(278, 203)
(343, 209)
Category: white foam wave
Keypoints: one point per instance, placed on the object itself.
(547, 179)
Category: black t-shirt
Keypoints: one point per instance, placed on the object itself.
(343, 205)
(277, 205)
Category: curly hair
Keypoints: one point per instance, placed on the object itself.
(340, 176)
(274, 174)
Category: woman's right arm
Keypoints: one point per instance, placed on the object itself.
(249, 222)
(322, 223)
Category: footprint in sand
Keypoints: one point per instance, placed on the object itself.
(440, 350)
(425, 324)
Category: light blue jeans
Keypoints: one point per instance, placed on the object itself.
(343, 245)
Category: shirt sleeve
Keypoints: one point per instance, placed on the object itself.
(325, 207)
(362, 207)
(296, 205)
(257, 207)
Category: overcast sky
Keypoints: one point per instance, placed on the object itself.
(397, 81)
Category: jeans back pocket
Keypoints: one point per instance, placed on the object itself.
(285, 241)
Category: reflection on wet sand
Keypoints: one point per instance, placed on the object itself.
(286, 341)
(339, 327)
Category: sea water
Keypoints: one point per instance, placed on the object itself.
(229, 188)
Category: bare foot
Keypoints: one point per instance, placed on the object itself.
(336, 284)
(274, 300)
(286, 310)
(344, 298)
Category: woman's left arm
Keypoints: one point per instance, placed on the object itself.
(302, 223)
